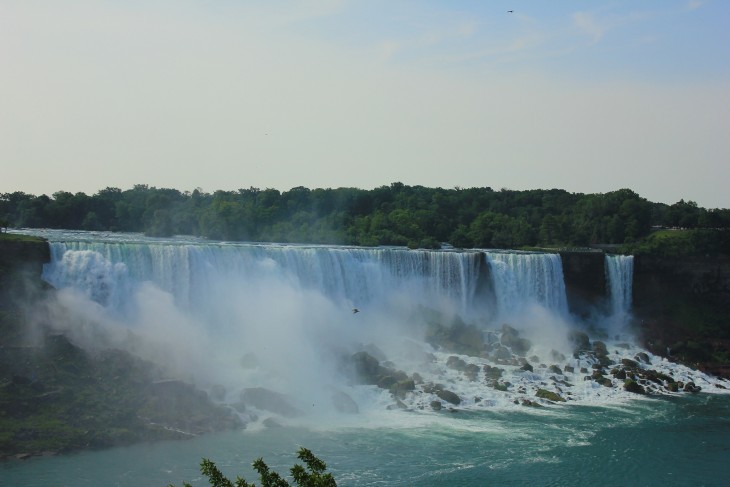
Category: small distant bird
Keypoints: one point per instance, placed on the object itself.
(510, 11)
(355, 310)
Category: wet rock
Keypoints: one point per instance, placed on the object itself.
(436, 405)
(569, 368)
(627, 362)
(619, 373)
(471, 371)
(527, 367)
(632, 386)
(532, 404)
(511, 339)
(448, 396)
(491, 372)
(549, 395)
(691, 387)
(501, 354)
(366, 367)
(555, 369)
(402, 387)
(579, 340)
(643, 357)
(455, 363)
(599, 348)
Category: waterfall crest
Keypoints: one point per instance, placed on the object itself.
(107, 271)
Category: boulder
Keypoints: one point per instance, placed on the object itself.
(527, 367)
(632, 386)
(436, 405)
(580, 340)
(492, 372)
(455, 363)
(501, 354)
(366, 367)
(449, 396)
(401, 388)
(643, 357)
(511, 338)
(471, 372)
(549, 395)
(627, 362)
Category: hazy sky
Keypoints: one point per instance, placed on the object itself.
(588, 96)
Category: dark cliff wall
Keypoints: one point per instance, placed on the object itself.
(657, 280)
(682, 306)
(21, 265)
(585, 281)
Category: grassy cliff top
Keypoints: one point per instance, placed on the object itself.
(14, 237)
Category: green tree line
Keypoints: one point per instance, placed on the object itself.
(395, 214)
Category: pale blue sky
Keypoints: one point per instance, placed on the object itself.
(584, 96)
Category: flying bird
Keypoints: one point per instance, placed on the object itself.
(510, 11)
(355, 310)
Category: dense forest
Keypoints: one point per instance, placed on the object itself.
(397, 214)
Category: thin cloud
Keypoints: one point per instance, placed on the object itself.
(588, 24)
(389, 48)
(694, 4)
(596, 27)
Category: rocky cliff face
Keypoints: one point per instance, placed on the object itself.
(681, 305)
(21, 264)
(585, 281)
(705, 278)
(683, 309)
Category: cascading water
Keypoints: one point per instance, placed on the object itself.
(108, 271)
(521, 279)
(281, 316)
(619, 280)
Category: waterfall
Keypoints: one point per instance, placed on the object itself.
(521, 279)
(107, 271)
(619, 279)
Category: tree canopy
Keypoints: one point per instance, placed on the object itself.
(396, 214)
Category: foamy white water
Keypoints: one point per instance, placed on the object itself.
(281, 317)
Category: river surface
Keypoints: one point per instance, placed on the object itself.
(681, 441)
